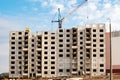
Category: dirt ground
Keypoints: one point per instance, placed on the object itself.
(114, 77)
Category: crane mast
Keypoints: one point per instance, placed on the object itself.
(60, 20)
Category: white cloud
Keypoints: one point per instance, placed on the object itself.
(55, 6)
(92, 6)
(35, 9)
(106, 1)
(35, 0)
(98, 11)
(71, 3)
(107, 5)
(44, 4)
(52, 4)
(116, 12)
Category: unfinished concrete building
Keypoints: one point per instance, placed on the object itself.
(25, 54)
(49, 51)
(64, 52)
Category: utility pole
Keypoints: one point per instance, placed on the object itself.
(110, 50)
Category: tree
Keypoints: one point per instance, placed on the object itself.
(4, 75)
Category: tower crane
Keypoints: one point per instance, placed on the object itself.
(60, 20)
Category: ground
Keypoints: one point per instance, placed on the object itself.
(115, 77)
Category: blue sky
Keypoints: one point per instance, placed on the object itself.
(16, 15)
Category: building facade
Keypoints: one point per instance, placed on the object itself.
(64, 52)
(115, 40)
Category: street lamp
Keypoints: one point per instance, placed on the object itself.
(110, 50)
